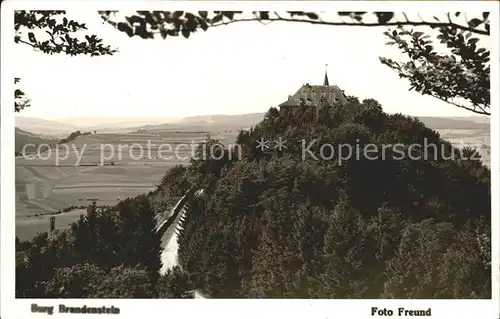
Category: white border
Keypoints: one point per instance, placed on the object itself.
(12, 308)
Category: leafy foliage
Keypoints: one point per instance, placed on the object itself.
(462, 75)
(60, 36)
(175, 284)
(147, 24)
(126, 282)
(20, 99)
(72, 136)
(90, 281)
(78, 281)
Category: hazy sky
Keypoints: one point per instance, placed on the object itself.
(240, 68)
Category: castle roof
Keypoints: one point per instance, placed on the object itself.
(316, 94)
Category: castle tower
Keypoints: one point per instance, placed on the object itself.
(318, 96)
(325, 81)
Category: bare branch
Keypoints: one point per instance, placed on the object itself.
(360, 24)
(481, 110)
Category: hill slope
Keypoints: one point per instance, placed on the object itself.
(45, 127)
(281, 222)
(277, 224)
(23, 137)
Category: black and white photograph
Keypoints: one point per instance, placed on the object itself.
(182, 152)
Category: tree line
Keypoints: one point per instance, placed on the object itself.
(111, 252)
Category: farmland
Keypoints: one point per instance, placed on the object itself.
(100, 167)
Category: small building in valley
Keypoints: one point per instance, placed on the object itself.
(317, 96)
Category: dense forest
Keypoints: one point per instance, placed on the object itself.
(272, 224)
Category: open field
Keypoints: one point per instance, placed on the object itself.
(81, 173)
(28, 227)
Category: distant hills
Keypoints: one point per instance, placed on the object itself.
(241, 119)
(456, 123)
(62, 128)
(99, 122)
(44, 127)
(247, 120)
(477, 119)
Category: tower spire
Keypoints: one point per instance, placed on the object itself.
(325, 81)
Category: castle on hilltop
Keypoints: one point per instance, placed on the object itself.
(318, 96)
